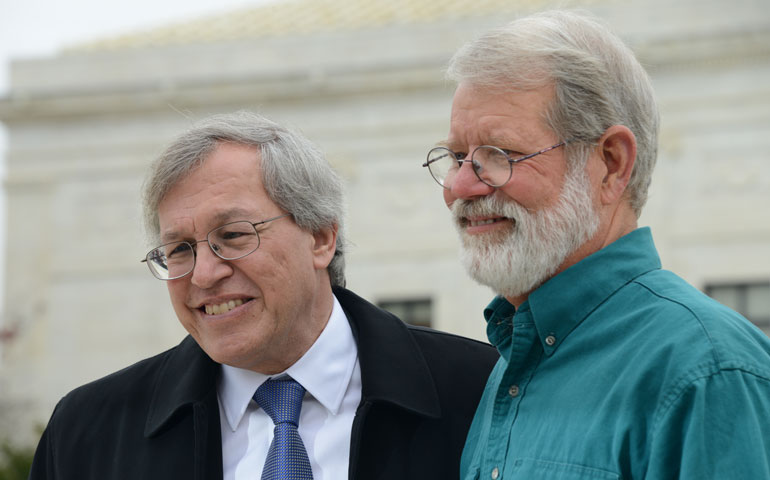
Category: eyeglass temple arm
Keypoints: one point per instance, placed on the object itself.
(433, 160)
(271, 219)
(525, 157)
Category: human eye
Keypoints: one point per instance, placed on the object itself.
(451, 151)
(456, 158)
(487, 158)
(175, 252)
(514, 156)
(235, 233)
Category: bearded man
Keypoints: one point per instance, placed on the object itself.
(610, 366)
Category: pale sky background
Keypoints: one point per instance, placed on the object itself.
(41, 28)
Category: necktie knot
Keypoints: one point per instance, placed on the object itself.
(281, 399)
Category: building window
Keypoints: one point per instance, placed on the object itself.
(412, 311)
(752, 300)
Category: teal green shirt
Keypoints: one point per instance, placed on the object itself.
(616, 369)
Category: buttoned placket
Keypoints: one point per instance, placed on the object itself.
(525, 353)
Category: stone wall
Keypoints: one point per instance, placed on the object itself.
(84, 125)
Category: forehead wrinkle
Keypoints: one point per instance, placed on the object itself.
(495, 140)
(231, 215)
(221, 217)
(486, 129)
(498, 140)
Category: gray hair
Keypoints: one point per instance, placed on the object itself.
(296, 175)
(598, 83)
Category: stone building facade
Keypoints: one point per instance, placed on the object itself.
(363, 80)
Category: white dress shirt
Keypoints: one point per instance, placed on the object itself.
(331, 376)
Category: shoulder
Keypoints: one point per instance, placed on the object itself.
(454, 360)
(687, 315)
(132, 382)
(454, 346)
(128, 389)
(693, 340)
(373, 323)
(381, 335)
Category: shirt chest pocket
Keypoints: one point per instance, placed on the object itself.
(535, 469)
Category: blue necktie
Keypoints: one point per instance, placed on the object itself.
(287, 458)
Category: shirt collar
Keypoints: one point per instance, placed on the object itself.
(324, 371)
(561, 303)
(499, 315)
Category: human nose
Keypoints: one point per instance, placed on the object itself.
(209, 268)
(467, 185)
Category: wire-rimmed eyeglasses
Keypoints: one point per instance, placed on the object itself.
(230, 241)
(492, 165)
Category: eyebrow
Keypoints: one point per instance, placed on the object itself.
(494, 140)
(220, 218)
(232, 214)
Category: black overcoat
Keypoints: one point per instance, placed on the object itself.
(159, 419)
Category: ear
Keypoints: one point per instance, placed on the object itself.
(617, 152)
(324, 246)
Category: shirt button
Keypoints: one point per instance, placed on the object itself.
(513, 391)
(550, 340)
(495, 473)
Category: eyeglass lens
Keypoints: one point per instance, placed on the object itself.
(490, 164)
(229, 242)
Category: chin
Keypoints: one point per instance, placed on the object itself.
(234, 350)
(236, 359)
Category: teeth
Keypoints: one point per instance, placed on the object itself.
(476, 223)
(223, 307)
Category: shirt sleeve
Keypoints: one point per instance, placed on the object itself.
(715, 427)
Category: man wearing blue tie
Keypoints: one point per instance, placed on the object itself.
(285, 373)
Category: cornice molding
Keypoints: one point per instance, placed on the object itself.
(213, 91)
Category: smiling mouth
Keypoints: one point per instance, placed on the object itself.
(466, 222)
(222, 308)
(476, 223)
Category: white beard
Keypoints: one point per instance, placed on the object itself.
(537, 244)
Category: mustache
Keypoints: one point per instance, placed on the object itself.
(487, 206)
